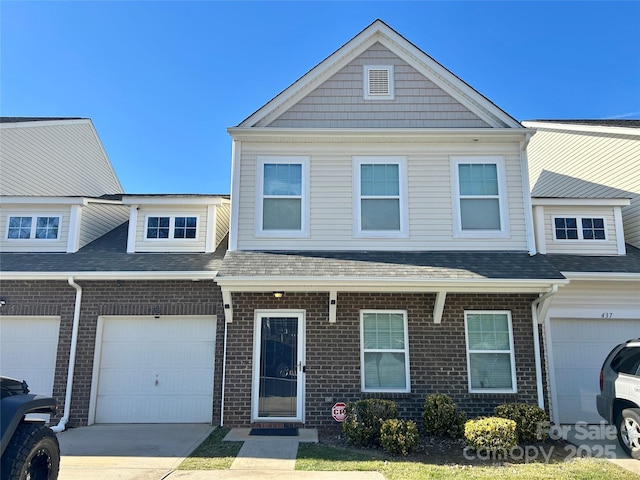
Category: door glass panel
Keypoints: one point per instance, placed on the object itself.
(278, 388)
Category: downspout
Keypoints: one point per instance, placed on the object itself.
(224, 373)
(536, 340)
(526, 194)
(72, 358)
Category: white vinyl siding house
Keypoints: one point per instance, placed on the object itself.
(34, 213)
(588, 161)
(41, 158)
(98, 219)
(333, 221)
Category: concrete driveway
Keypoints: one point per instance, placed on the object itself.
(127, 452)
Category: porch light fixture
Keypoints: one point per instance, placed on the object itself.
(278, 294)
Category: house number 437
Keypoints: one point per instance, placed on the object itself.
(607, 315)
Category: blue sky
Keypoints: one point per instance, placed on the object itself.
(162, 81)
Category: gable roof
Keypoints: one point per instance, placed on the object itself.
(380, 32)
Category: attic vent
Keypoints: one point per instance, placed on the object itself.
(379, 83)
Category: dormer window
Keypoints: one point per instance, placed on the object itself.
(378, 82)
(172, 227)
(41, 228)
(577, 228)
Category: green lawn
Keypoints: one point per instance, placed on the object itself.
(215, 454)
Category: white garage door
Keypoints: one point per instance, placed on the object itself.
(579, 348)
(28, 350)
(154, 370)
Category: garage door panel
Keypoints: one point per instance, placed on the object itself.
(579, 348)
(156, 370)
(28, 350)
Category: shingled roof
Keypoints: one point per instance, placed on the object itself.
(629, 263)
(462, 265)
(109, 254)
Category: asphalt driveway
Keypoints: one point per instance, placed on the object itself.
(127, 452)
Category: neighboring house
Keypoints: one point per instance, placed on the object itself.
(111, 295)
(585, 184)
(381, 244)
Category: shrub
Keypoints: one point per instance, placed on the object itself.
(440, 416)
(399, 436)
(491, 434)
(364, 419)
(528, 418)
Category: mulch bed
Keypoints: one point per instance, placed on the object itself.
(447, 451)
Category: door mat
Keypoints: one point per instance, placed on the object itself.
(274, 432)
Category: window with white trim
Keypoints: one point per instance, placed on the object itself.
(171, 227)
(33, 227)
(380, 186)
(479, 196)
(384, 351)
(282, 196)
(490, 358)
(378, 82)
(567, 228)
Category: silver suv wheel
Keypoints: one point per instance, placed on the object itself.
(629, 432)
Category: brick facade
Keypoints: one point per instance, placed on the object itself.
(437, 351)
(109, 298)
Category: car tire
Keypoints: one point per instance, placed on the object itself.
(629, 431)
(33, 453)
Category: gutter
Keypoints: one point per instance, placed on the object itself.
(72, 358)
(543, 302)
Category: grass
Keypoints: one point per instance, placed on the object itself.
(213, 453)
(323, 457)
(216, 454)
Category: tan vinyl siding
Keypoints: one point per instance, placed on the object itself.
(35, 245)
(332, 204)
(598, 296)
(339, 102)
(54, 160)
(98, 219)
(223, 217)
(170, 245)
(581, 247)
(607, 164)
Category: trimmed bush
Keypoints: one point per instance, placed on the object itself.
(491, 434)
(528, 418)
(399, 436)
(364, 419)
(440, 416)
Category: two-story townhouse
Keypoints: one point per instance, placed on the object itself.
(111, 295)
(585, 187)
(381, 244)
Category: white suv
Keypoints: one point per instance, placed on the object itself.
(619, 399)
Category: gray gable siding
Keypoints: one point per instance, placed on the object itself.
(339, 102)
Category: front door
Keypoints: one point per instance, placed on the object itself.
(278, 373)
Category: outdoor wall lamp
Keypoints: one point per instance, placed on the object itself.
(278, 294)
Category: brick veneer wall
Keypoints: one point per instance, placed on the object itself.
(109, 298)
(438, 362)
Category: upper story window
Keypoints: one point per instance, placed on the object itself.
(380, 186)
(490, 359)
(282, 200)
(171, 227)
(378, 82)
(33, 227)
(479, 196)
(384, 351)
(577, 228)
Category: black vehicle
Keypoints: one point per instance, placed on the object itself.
(30, 450)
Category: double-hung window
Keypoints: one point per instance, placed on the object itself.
(33, 227)
(579, 228)
(384, 351)
(282, 196)
(490, 359)
(479, 196)
(381, 204)
(171, 227)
